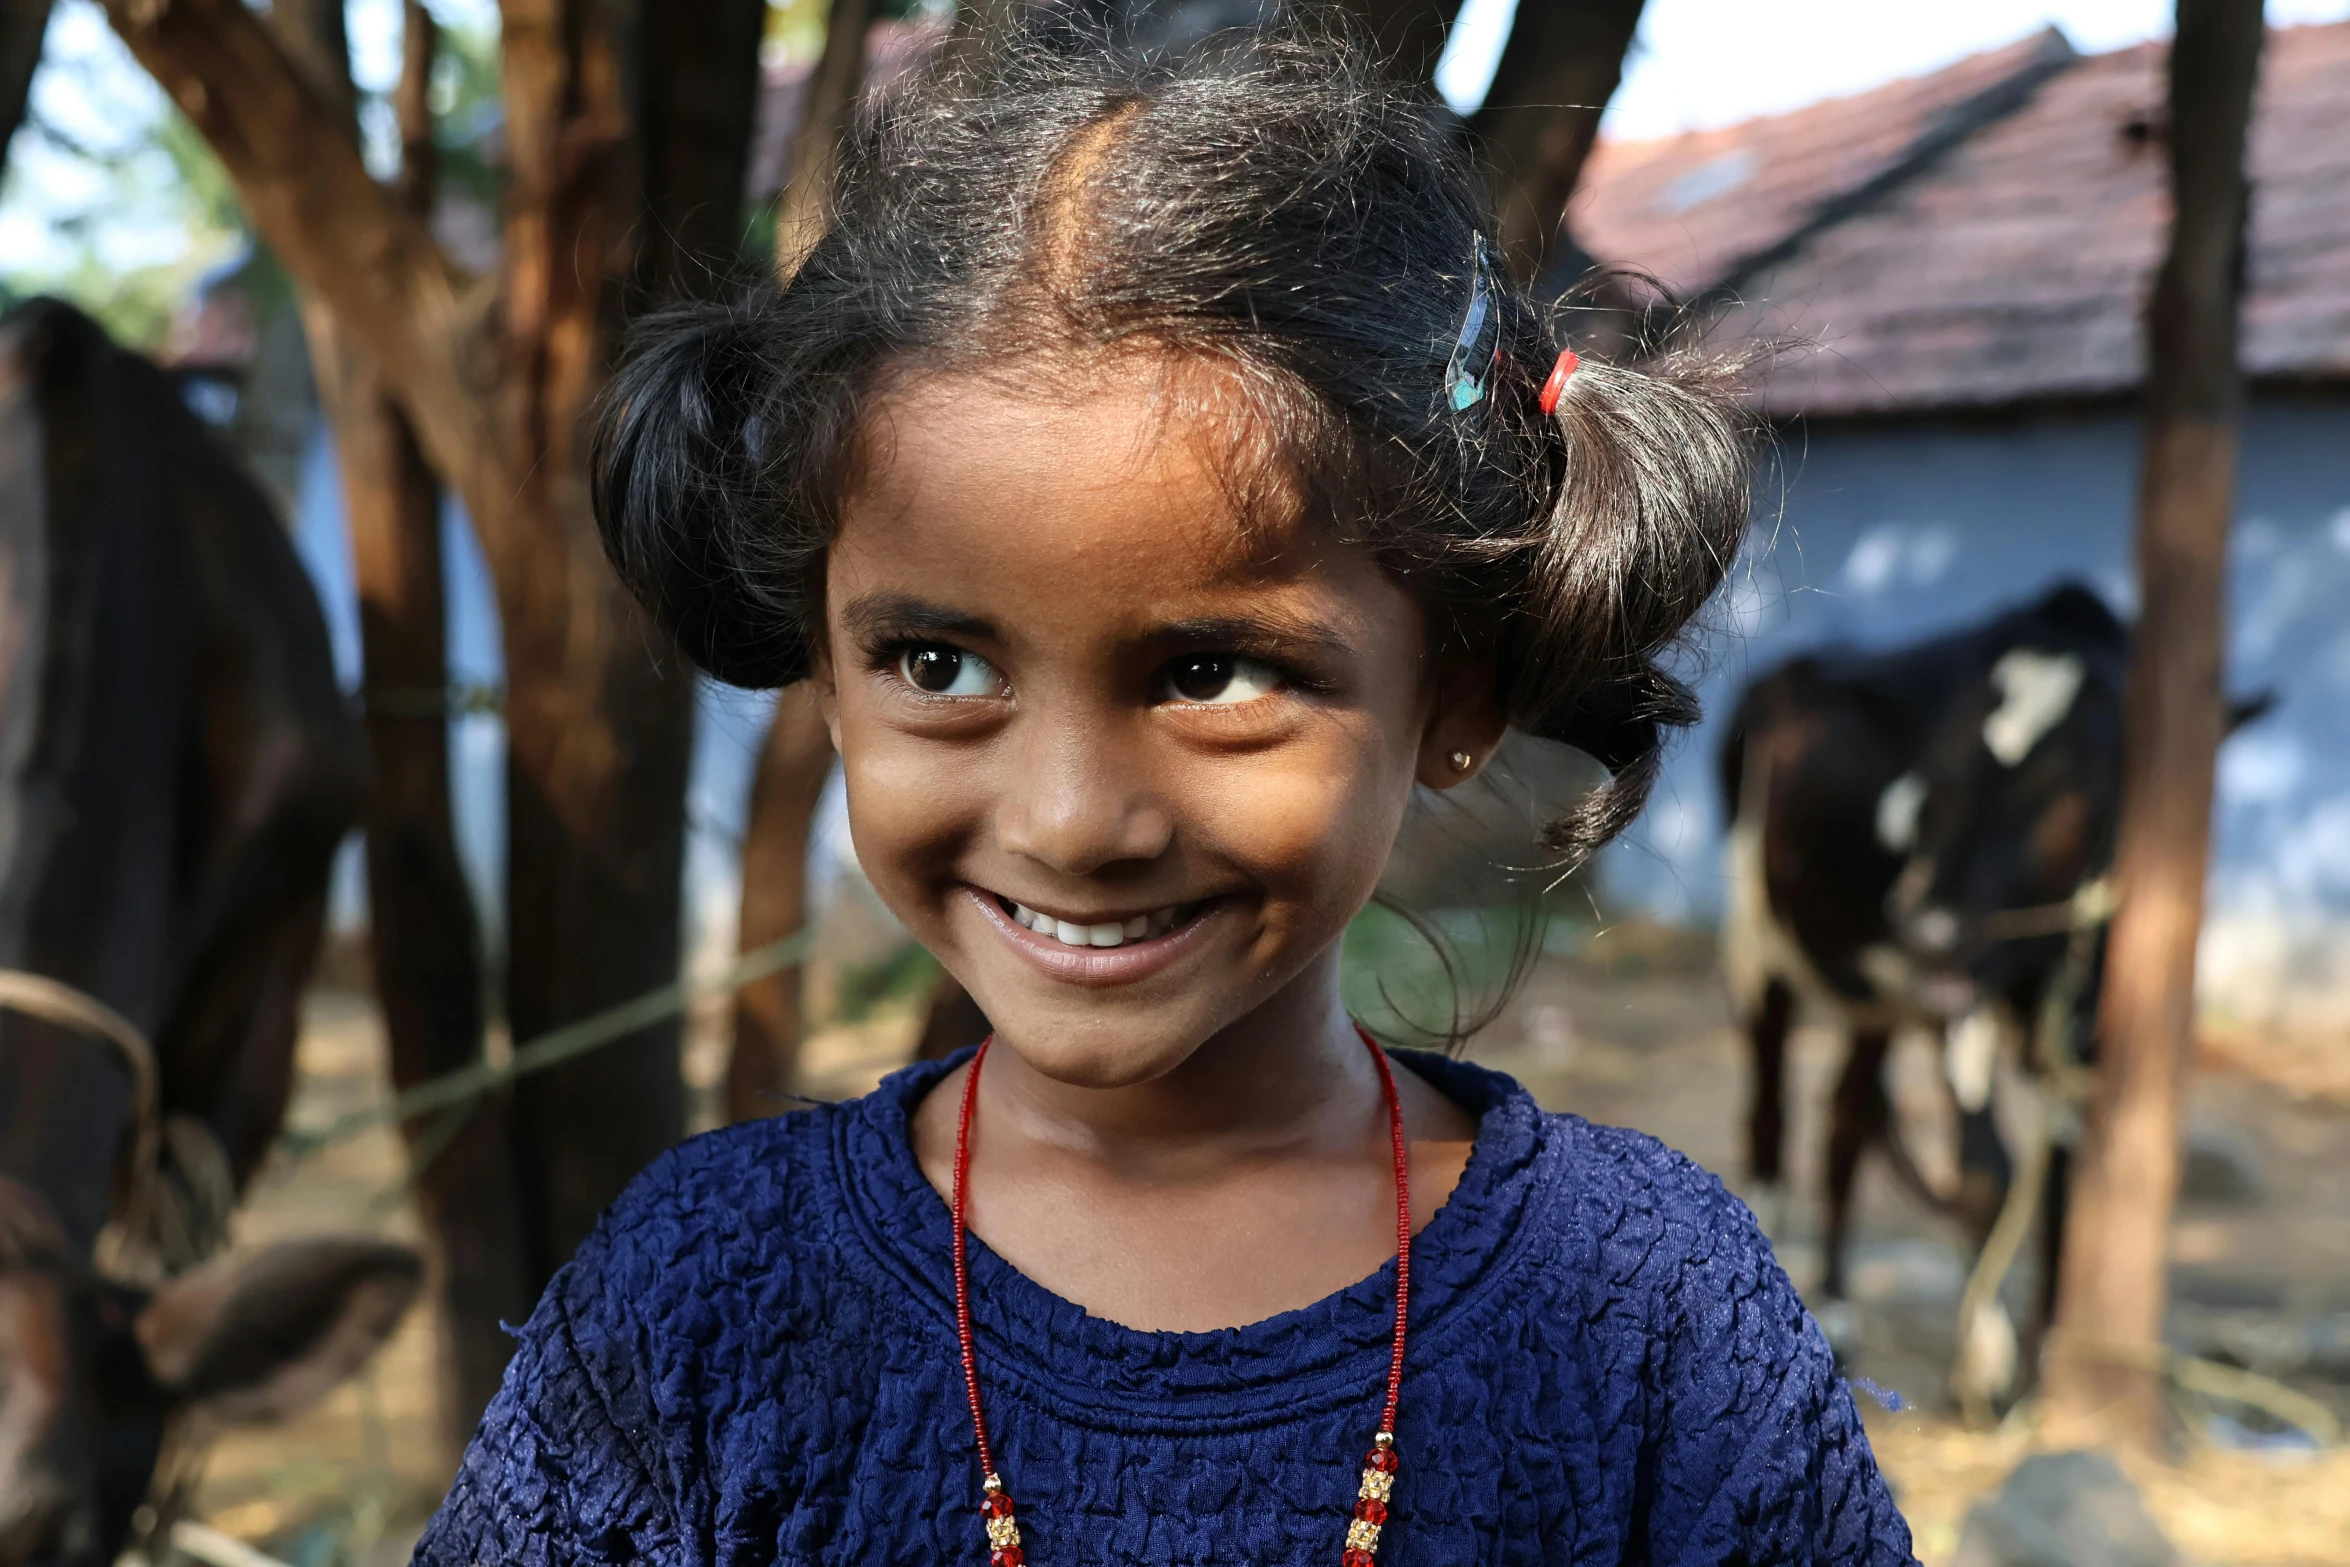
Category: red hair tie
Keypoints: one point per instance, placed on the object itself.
(1555, 388)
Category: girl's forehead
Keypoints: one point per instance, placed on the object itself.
(1110, 508)
(1137, 468)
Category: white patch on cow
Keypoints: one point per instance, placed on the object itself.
(1897, 813)
(2036, 690)
(1973, 1057)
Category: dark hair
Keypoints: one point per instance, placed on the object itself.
(1278, 210)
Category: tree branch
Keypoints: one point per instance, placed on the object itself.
(343, 236)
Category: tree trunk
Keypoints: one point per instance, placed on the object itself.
(423, 933)
(793, 765)
(1540, 119)
(599, 706)
(700, 97)
(496, 380)
(1409, 34)
(23, 24)
(2104, 1379)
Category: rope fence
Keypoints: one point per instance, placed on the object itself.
(469, 1084)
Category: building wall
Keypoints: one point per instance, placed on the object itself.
(1876, 535)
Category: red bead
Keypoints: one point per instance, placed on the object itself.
(1381, 1459)
(996, 1506)
(1351, 1557)
(1371, 1510)
(1007, 1556)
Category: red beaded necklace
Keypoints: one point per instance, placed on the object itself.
(1370, 1510)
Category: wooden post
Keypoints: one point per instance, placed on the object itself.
(2103, 1376)
(793, 765)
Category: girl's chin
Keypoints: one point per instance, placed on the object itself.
(1098, 1057)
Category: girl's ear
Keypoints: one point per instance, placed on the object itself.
(1465, 724)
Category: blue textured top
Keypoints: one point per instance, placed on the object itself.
(753, 1360)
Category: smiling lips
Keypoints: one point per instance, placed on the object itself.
(1114, 933)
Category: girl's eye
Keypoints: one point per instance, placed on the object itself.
(1220, 679)
(938, 670)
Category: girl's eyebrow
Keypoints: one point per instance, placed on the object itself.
(877, 615)
(1253, 631)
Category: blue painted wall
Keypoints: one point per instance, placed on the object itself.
(1876, 535)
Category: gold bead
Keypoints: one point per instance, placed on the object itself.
(1386, 1439)
(992, 1486)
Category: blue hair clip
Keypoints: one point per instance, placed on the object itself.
(1477, 351)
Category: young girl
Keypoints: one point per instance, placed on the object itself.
(1159, 478)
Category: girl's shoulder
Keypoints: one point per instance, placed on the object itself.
(1584, 1179)
(1611, 1225)
(749, 1211)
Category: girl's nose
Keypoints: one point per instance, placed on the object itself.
(1077, 804)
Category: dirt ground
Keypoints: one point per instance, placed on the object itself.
(1631, 1029)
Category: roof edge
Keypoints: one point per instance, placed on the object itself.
(1949, 130)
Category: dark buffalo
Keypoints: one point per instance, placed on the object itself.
(176, 769)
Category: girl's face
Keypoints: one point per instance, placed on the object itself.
(1126, 768)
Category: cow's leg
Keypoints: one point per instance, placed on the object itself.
(1857, 1118)
(1984, 1173)
(1766, 1121)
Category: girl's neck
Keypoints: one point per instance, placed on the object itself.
(1255, 1178)
(1288, 1077)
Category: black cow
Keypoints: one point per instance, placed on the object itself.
(176, 768)
(1915, 838)
(1881, 806)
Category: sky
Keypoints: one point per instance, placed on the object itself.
(1712, 62)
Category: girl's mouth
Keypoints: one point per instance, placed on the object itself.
(1106, 950)
(1108, 933)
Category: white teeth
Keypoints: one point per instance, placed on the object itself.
(1110, 933)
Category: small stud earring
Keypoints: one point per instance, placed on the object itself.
(1461, 761)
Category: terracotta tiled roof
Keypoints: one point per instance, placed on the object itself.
(2008, 262)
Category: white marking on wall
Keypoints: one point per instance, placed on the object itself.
(2036, 690)
(1897, 813)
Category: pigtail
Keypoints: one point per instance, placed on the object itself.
(680, 466)
(1648, 512)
